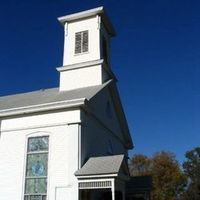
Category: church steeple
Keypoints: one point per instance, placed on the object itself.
(86, 58)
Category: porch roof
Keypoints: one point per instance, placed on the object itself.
(101, 166)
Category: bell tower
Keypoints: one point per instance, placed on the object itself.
(86, 56)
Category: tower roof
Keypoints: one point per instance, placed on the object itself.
(89, 13)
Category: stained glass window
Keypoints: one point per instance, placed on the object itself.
(38, 144)
(36, 168)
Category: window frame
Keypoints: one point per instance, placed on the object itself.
(40, 196)
(81, 50)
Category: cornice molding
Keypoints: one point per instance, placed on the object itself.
(43, 107)
(87, 64)
(80, 65)
(89, 13)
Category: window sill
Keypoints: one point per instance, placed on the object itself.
(83, 53)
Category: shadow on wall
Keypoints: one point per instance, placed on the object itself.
(0, 129)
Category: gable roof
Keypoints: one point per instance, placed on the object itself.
(46, 99)
(101, 165)
(116, 101)
(53, 99)
(121, 116)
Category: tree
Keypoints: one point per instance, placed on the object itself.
(192, 170)
(168, 178)
(140, 165)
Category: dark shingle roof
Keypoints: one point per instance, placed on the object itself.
(101, 165)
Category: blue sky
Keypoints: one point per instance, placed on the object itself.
(155, 56)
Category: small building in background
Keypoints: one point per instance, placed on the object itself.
(139, 188)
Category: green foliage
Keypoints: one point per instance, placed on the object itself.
(192, 164)
(192, 170)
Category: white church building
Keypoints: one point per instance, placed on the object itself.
(70, 142)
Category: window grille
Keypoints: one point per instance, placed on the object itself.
(95, 184)
(81, 42)
(36, 168)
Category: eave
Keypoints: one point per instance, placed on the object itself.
(43, 107)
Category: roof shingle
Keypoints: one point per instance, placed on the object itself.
(101, 165)
(47, 96)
